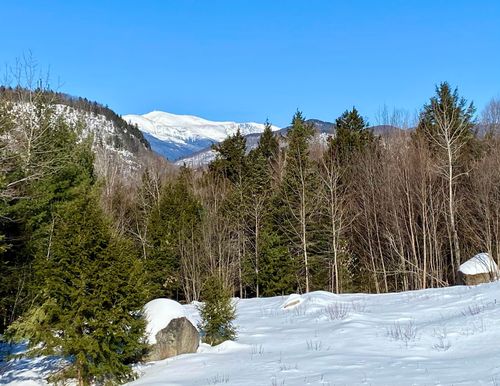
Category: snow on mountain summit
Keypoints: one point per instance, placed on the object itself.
(176, 136)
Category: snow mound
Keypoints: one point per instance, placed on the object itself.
(159, 313)
(292, 301)
(481, 263)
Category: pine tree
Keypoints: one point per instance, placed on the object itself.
(231, 164)
(85, 284)
(268, 143)
(217, 312)
(38, 174)
(278, 268)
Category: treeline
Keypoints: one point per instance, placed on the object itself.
(358, 213)
(81, 252)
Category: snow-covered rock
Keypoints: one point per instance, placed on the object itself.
(481, 263)
(177, 136)
(477, 270)
(159, 312)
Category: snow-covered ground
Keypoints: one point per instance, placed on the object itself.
(448, 336)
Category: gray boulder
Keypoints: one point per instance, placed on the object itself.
(179, 337)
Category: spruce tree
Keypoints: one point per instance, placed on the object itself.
(87, 286)
(230, 158)
(171, 223)
(352, 135)
(90, 299)
(257, 199)
(268, 143)
(447, 116)
(447, 126)
(278, 268)
(37, 173)
(217, 312)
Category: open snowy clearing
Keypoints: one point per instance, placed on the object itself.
(448, 336)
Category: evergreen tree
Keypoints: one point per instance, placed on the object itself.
(231, 164)
(448, 117)
(91, 294)
(351, 135)
(230, 158)
(268, 143)
(217, 312)
(257, 198)
(82, 282)
(278, 268)
(447, 125)
(170, 224)
(38, 174)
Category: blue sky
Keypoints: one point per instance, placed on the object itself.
(251, 60)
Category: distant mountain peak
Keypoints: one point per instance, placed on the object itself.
(178, 136)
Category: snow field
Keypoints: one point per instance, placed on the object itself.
(447, 336)
(443, 336)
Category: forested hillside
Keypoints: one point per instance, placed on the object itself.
(359, 213)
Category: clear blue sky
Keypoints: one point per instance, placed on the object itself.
(249, 60)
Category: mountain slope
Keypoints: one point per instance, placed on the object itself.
(178, 136)
(112, 136)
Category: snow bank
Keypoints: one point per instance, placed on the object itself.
(481, 263)
(159, 313)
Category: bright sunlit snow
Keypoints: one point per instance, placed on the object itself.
(481, 263)
(447, 336)
(159, 313)
(176, 136)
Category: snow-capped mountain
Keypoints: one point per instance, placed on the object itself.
(178, 136)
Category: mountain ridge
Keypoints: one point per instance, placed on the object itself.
(176, 136)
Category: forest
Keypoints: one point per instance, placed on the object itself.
(353, 212)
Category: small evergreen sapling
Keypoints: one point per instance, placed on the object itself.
(217, 312)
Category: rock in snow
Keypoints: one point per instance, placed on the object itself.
(481, 263)
(477, 270)
(179, 337)
(159, 313)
